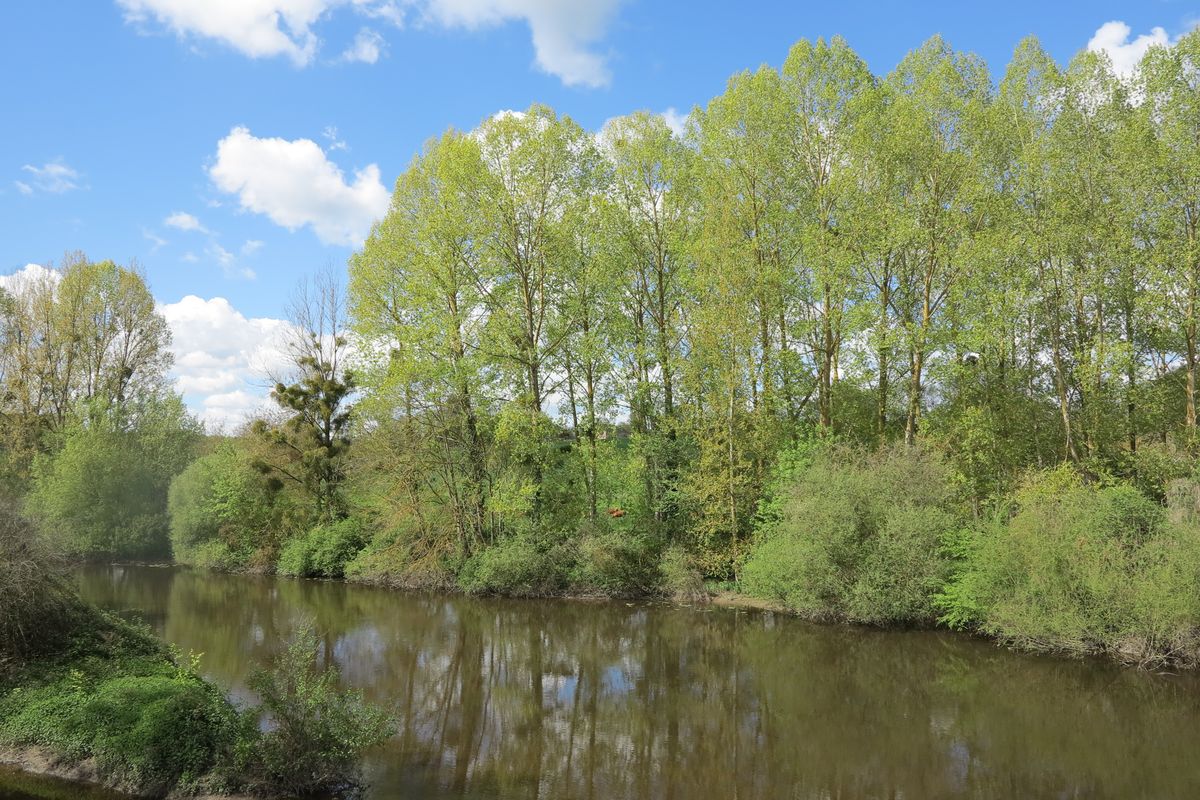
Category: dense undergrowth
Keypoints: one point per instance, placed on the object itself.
(83, 685)
(1070, 562)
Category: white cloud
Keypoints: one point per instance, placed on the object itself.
(366, 48)
(184, 222)
(251, 247)
(155, 239)
(255, 28)
(54, 177)
(28, 275)
(228, 262)
(189, 257)
(675, 121)
(223, 359)
(335, 142)
(1125, 53)
(295, 184)
(563, 33)
(223, 256)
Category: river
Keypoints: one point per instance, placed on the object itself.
(515, 699)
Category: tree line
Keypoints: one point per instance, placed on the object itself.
(555, 324)
(567, 361)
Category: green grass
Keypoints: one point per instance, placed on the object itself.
(116, 695)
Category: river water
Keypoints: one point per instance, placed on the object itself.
(516, 699)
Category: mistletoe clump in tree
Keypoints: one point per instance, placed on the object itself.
(308, 448)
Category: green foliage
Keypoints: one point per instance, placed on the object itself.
(518, 565)
(324, 551)
(1079, 568)
(37, 609)
(316, 732)
(681, 580)
(1153, 468)
(615, 561)
(861, 538)
(104, 493)
(310, 445)
(223, 513)
(113, 695)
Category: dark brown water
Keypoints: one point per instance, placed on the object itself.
(511, 699)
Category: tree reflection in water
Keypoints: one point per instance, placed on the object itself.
(552, 699)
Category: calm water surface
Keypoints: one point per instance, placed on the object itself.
(512, 699)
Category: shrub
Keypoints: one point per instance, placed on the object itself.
(861, 537)
(614, 561)
(114, 695)
(221, 511)
(104, 492)
(681, 580)
(324, 551)
(517, 565)
(1154, 467)
(402, 556)
(317, 733)
(1080, 568)
(36, 607)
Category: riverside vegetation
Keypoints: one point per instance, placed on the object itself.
(79, 685)
(902, 350)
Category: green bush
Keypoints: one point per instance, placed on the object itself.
(324, 551)
(614, 561)
(104, 492)
(517, 565)
(1080, 568)
(222, 512)
(317, 733)
(115, 696)
(681, 579)
(861, 537)
(37, 608)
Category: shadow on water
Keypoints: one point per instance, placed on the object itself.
(511, 699)
(16, 785)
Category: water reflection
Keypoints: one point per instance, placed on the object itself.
(523, 699)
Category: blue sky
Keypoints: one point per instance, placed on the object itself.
(233, 146)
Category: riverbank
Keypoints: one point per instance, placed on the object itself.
(42, 773)
(114, 707)
(1141, 654)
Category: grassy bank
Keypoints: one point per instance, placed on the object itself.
(86, 694)
(1080, 559)
(115, 697)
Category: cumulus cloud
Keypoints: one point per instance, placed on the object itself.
(256, 28)
(28, 275)
(55, 177)
(563, 33)
(223, 358)
(366, 47)
(1125, 53)
(184, 222)
(294, 184)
